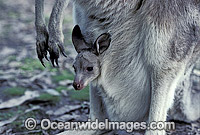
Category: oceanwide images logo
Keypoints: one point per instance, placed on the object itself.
(47, 124)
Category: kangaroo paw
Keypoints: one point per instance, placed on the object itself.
(55, 48)
(42, 44)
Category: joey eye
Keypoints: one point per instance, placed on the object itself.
(89, 68)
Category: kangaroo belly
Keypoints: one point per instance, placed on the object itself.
(126, 94)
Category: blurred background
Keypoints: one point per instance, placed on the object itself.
(27, 89)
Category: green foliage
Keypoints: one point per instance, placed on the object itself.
(80, 95)
(6, 31)
(12, 58)
(60, 88)
(18, 125)
(48, 97)
(50, 67)
(5, 116)
(14, 91)
(13, 14)
(10, 113)
(63, 75)
(30, 64)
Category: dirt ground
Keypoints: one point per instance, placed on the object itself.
(28, 89)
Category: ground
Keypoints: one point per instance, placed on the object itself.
(28, 89)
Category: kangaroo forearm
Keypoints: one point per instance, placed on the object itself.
(56, 18)
(39, 14)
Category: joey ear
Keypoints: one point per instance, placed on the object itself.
(102, 43)
(78, 40)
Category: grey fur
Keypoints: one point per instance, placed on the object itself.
(87, 62)
(154, 43)
(50, 40)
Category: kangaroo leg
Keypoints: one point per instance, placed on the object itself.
(41, 30)
(56, 38)
(163, 88)
(98, 109)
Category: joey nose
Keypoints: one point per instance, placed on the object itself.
(78, 86)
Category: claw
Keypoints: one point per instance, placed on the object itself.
(62, 50)
(46, 57)
(54, 54)
(52, 62)
(42, 44)
(57, 62)
(40, 55)
(44, 51)
(45, 54)
(42, 63)
(64, 54)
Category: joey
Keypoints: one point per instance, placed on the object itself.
(87, 62)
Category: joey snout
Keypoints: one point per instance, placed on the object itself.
(78, 83)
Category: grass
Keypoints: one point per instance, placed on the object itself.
(13, 14)
(12, 58)
(50, 68)
(63, 75)
(6, 31)
(80, 95)
(18, 125)
(11, 113)
(30, 64)
(60, 88)
(34, 64)
(14, 91)
(6, 116)
(48, 97)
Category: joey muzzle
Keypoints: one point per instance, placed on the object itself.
(78, 85)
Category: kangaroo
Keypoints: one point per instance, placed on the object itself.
(154, 46)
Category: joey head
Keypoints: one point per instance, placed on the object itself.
(87, 62)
